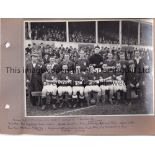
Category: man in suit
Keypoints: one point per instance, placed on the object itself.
(134, 81)
(138, 61)
(34, 72)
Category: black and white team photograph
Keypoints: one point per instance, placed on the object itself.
(88, 67)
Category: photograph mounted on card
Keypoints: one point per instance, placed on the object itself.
(77, 76)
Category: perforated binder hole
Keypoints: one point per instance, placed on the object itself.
(7, 106)
(7, 44)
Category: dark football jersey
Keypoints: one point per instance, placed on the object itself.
(105, 78)
(50, 78)
(105, 75)
(78, 79)
(111, 67)
(83, 63)
(110, 64)
(92, 79)
(69, 63)
(122, 70)
(64, 79)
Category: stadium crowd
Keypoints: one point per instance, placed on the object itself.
(43, 32)
(49, 34)
(81, 37)
(129, 40)
(84, 32)
(108, 38)
(71, 77)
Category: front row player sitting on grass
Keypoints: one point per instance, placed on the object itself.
(49, 79)
(92, 90)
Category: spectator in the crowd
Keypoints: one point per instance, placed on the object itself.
(82, 37)
(108, 37)
(46, 34)
(46, 58)
(28, 49)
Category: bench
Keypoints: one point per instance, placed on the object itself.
(37, 94)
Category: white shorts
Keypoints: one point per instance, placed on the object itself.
(49, 89)
(119, 85)
(79, 89)
(65, 89)
(106, 87)
(94, 88)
